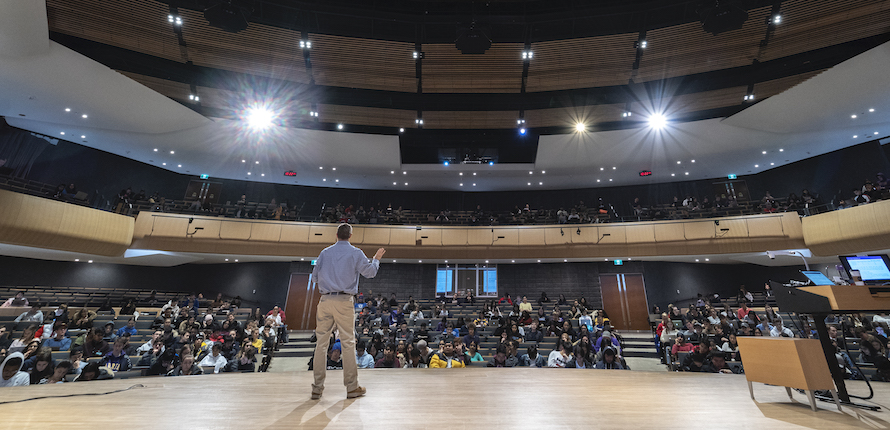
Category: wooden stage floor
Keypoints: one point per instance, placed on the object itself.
(471, 398)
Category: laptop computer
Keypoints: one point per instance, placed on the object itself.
(817, 277)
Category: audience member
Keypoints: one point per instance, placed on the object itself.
(12, 375)
(18, 300)
(446, 358)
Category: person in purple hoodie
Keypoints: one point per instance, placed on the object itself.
(117, 359)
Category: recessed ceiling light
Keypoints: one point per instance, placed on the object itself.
(89, 261)
(678, 162)
(853, 116)
(707, 259)
(529, 183)
(540, 183)
(401, 130)
(83, 136)
(474, 184)
(248, 173)
(394, 261)
(781, 150)
(180, 165)
(693, 161)
(172, 152)
(236, 260)
(227, 259)
(763, 152)
(772, 164)
(404, 173)
(420, 261)
(565, 261)
(156, 149)
(613, 168)
(322, 180)
(687, 173)
(339, 126)
(394, 183)
(543, 172)
(164, 164)
(530, 173)
(257, 162)
(333, 168)
(76, 259)
(539, 261)
(512, 261)
(63, 133)
(474, 173)
(460, 174)
(461, 184)
(871, 110)
(407, 183)
(855, 136)
(83, 116)
(610, 180)
(486, 261)
(596, 180)
(320, 168)
(335, 180)
(756, 165)
(67, 109)
(696, 260)
(672, 174)
(876, 132)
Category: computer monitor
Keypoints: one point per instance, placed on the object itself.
(874, 269)
(817, 277)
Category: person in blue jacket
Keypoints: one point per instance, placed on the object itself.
(129, 328)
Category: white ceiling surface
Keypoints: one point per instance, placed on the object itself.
(39, 78)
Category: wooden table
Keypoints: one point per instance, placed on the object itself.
(790, 363)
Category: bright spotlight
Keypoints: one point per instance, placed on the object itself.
(446, 163)
(657, 121)
(580, 126)
(259, 118)
(522, 131)
(491, 163)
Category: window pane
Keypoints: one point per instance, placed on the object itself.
(444, 280)
(490, 281)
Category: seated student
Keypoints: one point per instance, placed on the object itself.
(389, 358)
(500, 359)
(605, 340)
(94, 372)
(83, 319)
(532, 358)
(335, 362)
(362, 358)
(779, 330)
(148, 346)
(609, 361)
(580, 360)
(446, 358)
(75, 356)
(404, 333)
(58, 376)
(533, 334)
(12, 375)
(94, 344)
(187, 367)
(164, 363)
(473, 352)
(41, 366)
(116, 359)
(716, 364)
(561, 355)
(481, 321)
(215, 359)
(18, 300)
(697, 358)
(109, 335)
(58, 341)
(129, 328)
(681, 346)
(414, 360)
(32, 315)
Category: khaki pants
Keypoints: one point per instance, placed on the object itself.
(335, 311)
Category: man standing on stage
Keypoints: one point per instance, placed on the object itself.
(336, 274)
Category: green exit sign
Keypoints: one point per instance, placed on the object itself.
(205, 176)
(618, 262)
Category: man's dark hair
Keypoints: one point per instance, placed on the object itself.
(64, 364)
(91, 368)
(501, 349)
(415, 352)
(532, 350)
(15, 361)
(390, 346)
(360, 346)
(715, 354)
(344, 231)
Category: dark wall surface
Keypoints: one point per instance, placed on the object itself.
(93, 170)
(269, 280)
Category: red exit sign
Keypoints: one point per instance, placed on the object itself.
(290, 173)
(646, 173)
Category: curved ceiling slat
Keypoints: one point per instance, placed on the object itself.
(446, 70)
(362, 63)
(581, 63)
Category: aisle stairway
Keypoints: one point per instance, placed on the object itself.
(298, 345)
(639, 343)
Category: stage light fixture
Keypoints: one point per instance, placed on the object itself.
(627, 114)
(305, 44)
(401, 130)
(446, 163)
(527, 55)
(491, 163)
(853, 116)
(339, 126)
(657, 121)
(418, 55)
(777, 19)
(522, 131)
(580, 126)
(259, 118)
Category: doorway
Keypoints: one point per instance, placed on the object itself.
(624, 300)
(302, 301)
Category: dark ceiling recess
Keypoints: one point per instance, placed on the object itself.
(467, 146)
(722, 16)
(473, 39)
(228, 15)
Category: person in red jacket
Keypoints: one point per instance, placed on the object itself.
(506, 299)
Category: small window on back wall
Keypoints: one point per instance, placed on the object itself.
(444, 281)
(490, 280)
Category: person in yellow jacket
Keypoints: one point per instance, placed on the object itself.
(446, 358)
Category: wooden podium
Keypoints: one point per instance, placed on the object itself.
(790, 363)
(821, 301)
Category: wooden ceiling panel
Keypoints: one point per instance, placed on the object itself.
(367, 116)
(446, 70)
(469, 119)
(581, 63)
(259, 50)
(686, 49)
(813, 24)
(362, 63)
(568, 117)
(139, 26)
(776, 86)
